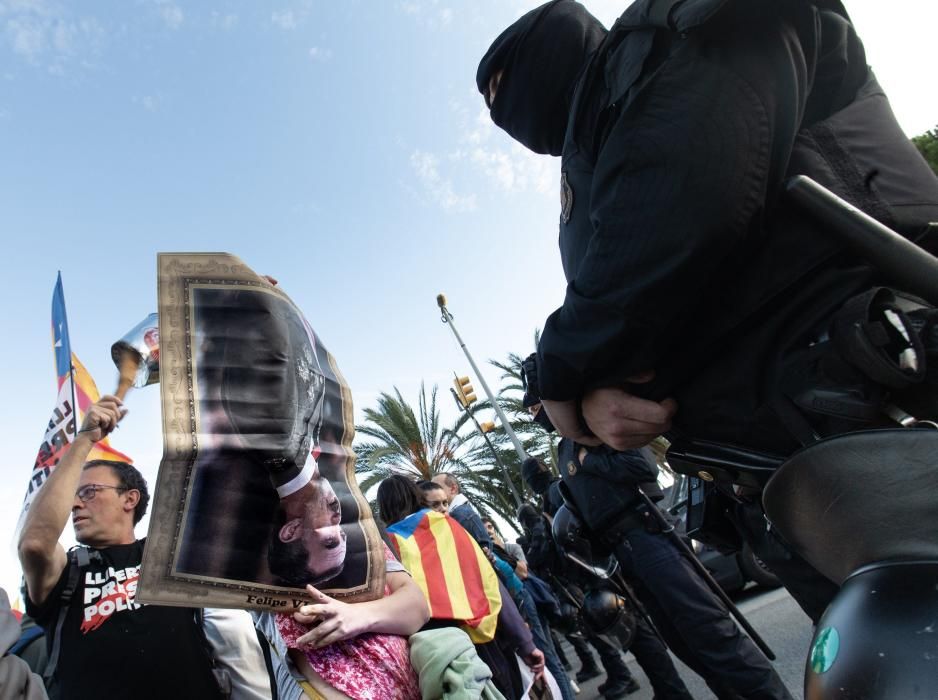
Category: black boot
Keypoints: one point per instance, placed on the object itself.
(588, 672)
(616, 688)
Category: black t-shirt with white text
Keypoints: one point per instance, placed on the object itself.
(113, 646)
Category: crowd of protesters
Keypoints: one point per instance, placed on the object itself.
(677, 130)
(406, 644)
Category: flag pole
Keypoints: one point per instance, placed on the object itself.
(71, 365)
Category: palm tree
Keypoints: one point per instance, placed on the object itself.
(416, 444)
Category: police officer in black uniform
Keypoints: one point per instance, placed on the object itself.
(604, 487)
(544, 559)
(699, 301)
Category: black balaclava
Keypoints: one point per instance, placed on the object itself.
(532, 396)
(537, 475)
(528, 515)
(541, 55)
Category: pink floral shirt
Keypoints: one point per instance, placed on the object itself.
(368, 667)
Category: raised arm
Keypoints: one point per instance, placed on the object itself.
(41, 555)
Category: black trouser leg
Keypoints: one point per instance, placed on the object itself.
(582, 650)
(564, 661)
(675, 596)
(655, 661)
(810, 589)
(676, 644)
(612, 661)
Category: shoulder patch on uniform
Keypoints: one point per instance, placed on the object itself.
(566, 198)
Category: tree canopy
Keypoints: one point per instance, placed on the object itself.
(927, 145)
(400, 440)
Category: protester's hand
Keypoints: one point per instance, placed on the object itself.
(102, 417)
(535, 662)
(624, 421)
(563, 415)
(333, 620)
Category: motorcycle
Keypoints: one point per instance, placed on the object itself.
(859, 506)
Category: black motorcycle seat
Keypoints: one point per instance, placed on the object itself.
(859, 498)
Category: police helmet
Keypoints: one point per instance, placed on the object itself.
(606, 612)
(572, 538)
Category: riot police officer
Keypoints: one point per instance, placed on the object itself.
(544, 558)
(603, 485)
(700, 302)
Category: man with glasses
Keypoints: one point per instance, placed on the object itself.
(462, 510)
(102, 642)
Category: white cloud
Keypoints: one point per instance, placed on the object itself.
(428, 13)
(170, 13)
(224, 22)
(482, 153)
(318, 53)
(515, 169)
(151, 103)
(440, 190)
(285, 19)
(47, 36)
(27, 37)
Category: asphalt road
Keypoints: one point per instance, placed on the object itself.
(774, 615)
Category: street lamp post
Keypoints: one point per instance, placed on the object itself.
(448, 319)
(463, 392)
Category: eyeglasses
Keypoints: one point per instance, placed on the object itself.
(89, 491)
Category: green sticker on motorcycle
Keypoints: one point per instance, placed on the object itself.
(825, 649)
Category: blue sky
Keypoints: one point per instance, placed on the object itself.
(340, 146)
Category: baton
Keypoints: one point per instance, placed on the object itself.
(668, 529)
(911, 267)
(626, 590)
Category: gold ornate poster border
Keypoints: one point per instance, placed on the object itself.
(177, 273)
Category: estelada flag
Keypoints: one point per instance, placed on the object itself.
(451, 570)
(76, 392)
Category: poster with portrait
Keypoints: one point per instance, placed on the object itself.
(256, 494)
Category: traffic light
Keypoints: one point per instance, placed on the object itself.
(487, 427)
(465, 394)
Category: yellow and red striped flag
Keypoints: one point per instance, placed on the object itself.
(451, 570)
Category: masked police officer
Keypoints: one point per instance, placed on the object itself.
(699, 301)
(604, 487)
